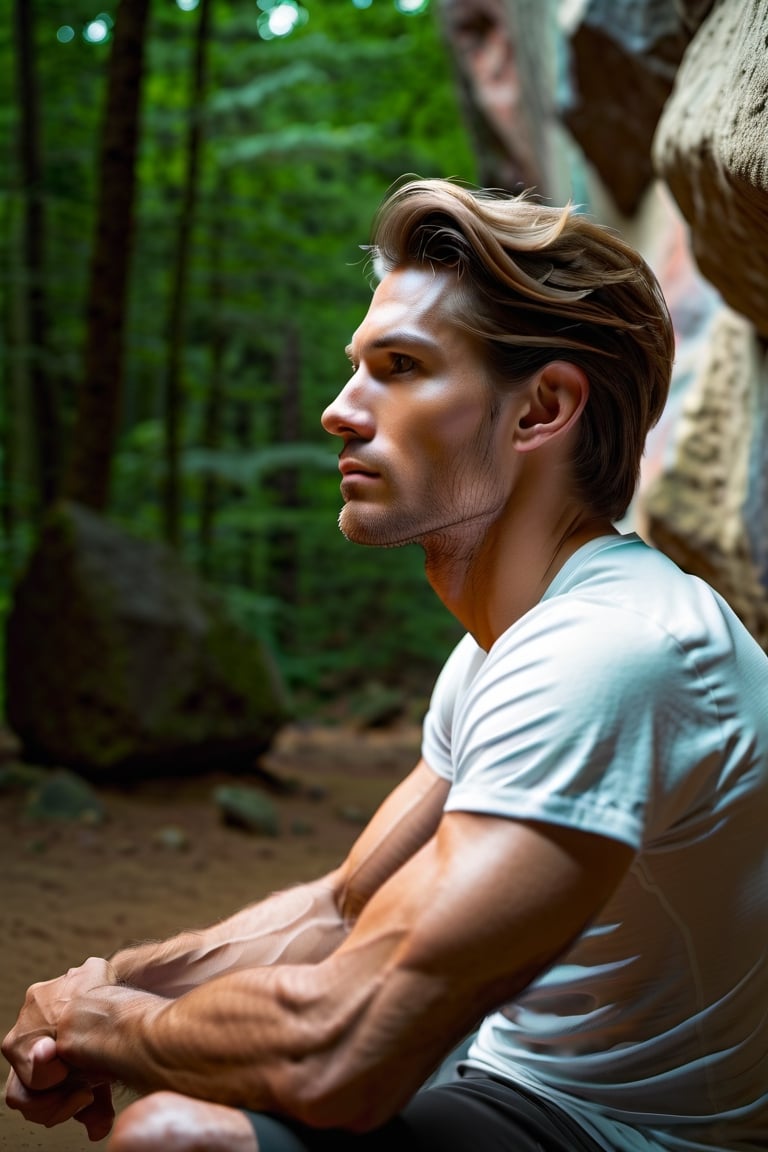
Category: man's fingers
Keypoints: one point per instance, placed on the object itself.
(43, 1049)
(33, 1055)
(99, 1115)
(16, 1092)
(46, 1070)
(47, 1108)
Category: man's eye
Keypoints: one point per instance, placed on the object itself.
(402, 363)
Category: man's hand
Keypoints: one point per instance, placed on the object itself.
(44, 1005)
(41, 1085)
(70, 1095)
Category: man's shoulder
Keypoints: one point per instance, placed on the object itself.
(625, 592)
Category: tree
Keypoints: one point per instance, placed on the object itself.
(34, 311)
(215, 396)
(100, 392)
(179, 283)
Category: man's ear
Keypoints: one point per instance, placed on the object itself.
(555, 399)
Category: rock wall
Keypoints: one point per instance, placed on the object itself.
(711, 148)
(654, 114)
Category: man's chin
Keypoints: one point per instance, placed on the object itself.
(363, 530)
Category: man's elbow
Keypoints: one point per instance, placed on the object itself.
(332, 1094)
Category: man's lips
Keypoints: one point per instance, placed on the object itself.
(351, 467)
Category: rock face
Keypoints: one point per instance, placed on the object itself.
(496, 79)
(707, 509)
(119, 660)
(623, 55)
(711, 147)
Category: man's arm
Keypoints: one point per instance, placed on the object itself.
(463, 926)
(300, 925)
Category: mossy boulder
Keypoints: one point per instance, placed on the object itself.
(119, 659)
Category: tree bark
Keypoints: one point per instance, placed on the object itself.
(215, 399)
(174, 389)
(100, 393)
(42, 387)
(282, 572)
(13, 425)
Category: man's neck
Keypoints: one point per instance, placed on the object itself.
(492, 576)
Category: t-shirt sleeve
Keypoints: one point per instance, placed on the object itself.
(564, 721)
(438, 723)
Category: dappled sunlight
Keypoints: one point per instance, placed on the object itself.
(280, 17)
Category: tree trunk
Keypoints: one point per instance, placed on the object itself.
(100, 393)
(249, 559)
(282, 574)
(213, 415)
(13, 422)
(174, 390)
(34, 310)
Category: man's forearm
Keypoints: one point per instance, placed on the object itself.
(300, 926)
(233, 1040)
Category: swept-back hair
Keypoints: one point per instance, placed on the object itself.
(537, 284)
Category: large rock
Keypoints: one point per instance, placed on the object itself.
(711, 147)
(693, 12)
(623, 55)
(119, 660)
(707, 509)
(499, 82)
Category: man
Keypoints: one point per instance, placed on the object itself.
(577, 864)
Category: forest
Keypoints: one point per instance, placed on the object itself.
(190, 186)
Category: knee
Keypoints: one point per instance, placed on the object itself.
(157, 1121)
(169, 1122)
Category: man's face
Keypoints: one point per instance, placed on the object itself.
(423, 433)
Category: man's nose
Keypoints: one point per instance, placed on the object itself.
(347, 415)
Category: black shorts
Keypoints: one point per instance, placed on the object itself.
(472, 1113)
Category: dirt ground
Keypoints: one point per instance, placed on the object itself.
(163, 860)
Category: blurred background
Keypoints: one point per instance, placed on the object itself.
(189, 185)
(181, 272)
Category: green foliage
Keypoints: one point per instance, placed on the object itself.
(247, 468)
(297, 142)
(303, 136)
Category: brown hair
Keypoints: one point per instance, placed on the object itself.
(537, 284)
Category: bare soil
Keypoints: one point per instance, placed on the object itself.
(163, 859)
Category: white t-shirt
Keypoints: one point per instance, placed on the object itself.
(631, 702)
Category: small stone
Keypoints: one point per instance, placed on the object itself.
(247, 808)
(352, 815)
(61, 795)
(173, 837)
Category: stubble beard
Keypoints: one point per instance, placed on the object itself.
(451, 524)
(376, 531)
(447, 526)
